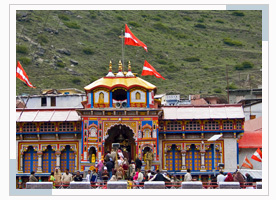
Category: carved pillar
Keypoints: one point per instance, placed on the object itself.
(202, 168)
(183, 153)
(21, 162)
(58, 158)
(76, 161)
(39, 164)
(164, 161)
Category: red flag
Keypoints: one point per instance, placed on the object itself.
(149, 70)
(257, 155)
(246, 163)
(21, 74)
(130, 39)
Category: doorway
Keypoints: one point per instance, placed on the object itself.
(174, 159)
(123, 136)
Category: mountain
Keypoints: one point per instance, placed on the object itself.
(193, 50)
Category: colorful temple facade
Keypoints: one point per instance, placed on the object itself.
(120, 110)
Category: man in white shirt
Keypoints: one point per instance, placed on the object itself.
(66, 177)
(220, 177)
(188, 176)
(88, 176)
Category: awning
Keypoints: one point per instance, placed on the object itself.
(251, 140)
(47, 116)
(204, 112)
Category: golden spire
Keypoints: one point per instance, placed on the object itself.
(110, 66)
(129, 66)
(120, 66)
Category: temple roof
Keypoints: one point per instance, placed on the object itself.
(125, 82)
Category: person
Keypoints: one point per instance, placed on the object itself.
(120, 173)
(159, 177)
(188, 176)
(229, 178)
(138, 164)
(129, 183)
(239, 178)
(140, 176)
(94, 178)
(100, 167)
(105, 175)
(78, 177)
(149, 159)
(220, 177)
(249, 179)
(32, 177)
(66, 177)
(113, 154)
(107, 157)
(131, 169)
(120, 153)
(57, 176)
(88, 176)
(52, 179)
(109, 167)
(113, 178)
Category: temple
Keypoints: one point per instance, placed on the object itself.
(73, 129)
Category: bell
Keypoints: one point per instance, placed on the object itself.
(121, 138)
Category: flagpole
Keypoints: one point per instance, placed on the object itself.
(123, 50)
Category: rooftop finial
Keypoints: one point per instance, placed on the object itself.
(129, 66)
(129, 73)
(120, 66)
(110, 66)
(120, 73)
(110, 74)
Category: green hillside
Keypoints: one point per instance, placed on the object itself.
(191, 49)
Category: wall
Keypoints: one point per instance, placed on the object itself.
(255, 110)
(62, 101)
(230, 154)
(249, 152)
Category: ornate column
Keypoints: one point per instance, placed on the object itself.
(202, 153)
(39, 164)
(183, 153)
(58, 158)
(164, 161)
(202, 168)
(21, 162)
(75, 160)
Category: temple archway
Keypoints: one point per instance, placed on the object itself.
(121, 136)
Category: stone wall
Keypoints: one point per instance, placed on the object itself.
(230, 155)
(80, 185)
(191, 185)
(39, 185)
(117, 185)
(154, 185)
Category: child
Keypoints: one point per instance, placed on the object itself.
(129, 183)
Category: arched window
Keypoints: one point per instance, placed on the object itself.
(48, 160)
(138, 96)
(67, 159)
(30, 160)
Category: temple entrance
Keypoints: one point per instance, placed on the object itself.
(121, 136)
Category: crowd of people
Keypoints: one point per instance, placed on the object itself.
(115, 166)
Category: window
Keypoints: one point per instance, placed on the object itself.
(193, 126)
(161, 126)
(239, 125)
(211, 125)
(29, 127)
(66, 127)
(228, 125)
(174, 126)
(53, 101)
(47, 127)
(17, 127)
(43, 101)
(78, 126)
